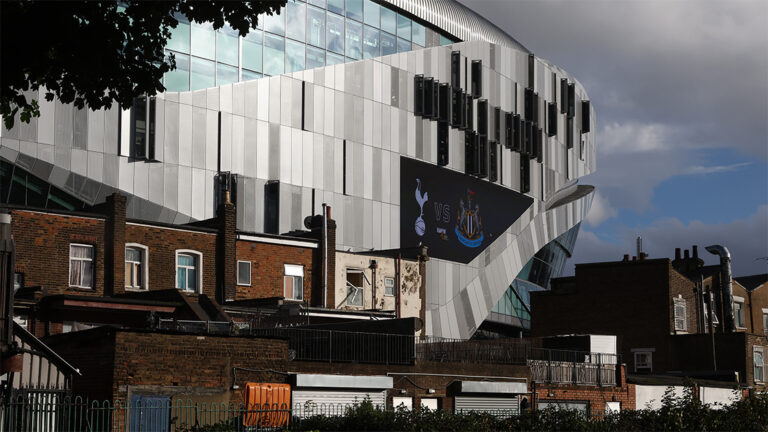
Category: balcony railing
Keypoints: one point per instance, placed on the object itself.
(335, 346)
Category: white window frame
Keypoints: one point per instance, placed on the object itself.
(761, 366)
(250, 272)
(736, 317)
(358, 290)
(386, 280)
(199, 265)
(683, 320)
(293, 271)
(642, 351)
(715, 321)
(91, 260)
(144, 267)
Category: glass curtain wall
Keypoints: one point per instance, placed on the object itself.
(304, 35)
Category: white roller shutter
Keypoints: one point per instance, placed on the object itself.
(509, 405)
(309, 402)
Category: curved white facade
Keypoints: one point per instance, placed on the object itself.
(297, 129)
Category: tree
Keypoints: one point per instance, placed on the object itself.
(95, 53)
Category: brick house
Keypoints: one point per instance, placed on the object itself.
(658, 308)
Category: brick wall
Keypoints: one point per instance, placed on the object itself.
(93, 353)
(681, 287)
(42, 249)
(596, 397)
(267, 268)
(163, 243)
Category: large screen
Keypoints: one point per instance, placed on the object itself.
(456, 215)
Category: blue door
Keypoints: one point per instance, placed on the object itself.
(149, 413)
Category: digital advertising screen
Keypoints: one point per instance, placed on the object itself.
(456, 215)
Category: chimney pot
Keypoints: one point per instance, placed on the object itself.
(677, 253)
(695, 252)
(634, 258)
(686, 254)
(626, 257)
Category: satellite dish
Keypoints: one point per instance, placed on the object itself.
(308, 222)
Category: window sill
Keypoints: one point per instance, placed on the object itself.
(245, 285)
(132, 289)
(389, 295)
(79, 288)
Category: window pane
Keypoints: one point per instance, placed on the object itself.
(372, 13)
(227, 50)
(315, 26)
(225, 74)
(178, 79)
(403, 27)
(320, 3)
(128, 274)
(274, 55)
(252, 53)
(403, 45)
(332, 59)
(371, 42)
(388, 44)
(181, 281)
(250, 75)
(203, 40)
(186, 260)
(132, 254)
(355, 9)
(81, 251)
(294, 56)
(275, 23)
(244, 272)
(419, 34)
(335, 37)
(336, 6)
(298, 289)
(87, 273)
(388, 20)
(203, 74)
(288, 286)
(315, 57)
(354, 40)
(179, 40)
(444, 40)
(192, 279)
(295, 17)
(74, 272)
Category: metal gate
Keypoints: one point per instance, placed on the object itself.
(307, 402)
(507, 405)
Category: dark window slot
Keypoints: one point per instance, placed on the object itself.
(497, 124)
(470, 113)
(457, 109)
(482, 155)
(482, 117)
(428, 90)
(435, 100)
(539, 145)
(552, 119)
(517, 141)
(139, 128)
(531, 71)
(525, 174)
(554, 89)
(528, 104)
(571, 100)
(470, 153)
(585, 117)
(493, 161)
(303, 103)
(569, 133)
(508, 130)
(151, 131)
(444, 105)
(563, 95)
(272, 207)
(418, 96)
(344, 167)
(477, 78)
(535, 119)
(456, 69)
(442, 143)
(464, 110)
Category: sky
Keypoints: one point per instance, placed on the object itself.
(680, 91)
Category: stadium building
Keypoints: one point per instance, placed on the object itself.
(419, 122)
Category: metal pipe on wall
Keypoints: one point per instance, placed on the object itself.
(726, 285)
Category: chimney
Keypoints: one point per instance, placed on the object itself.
(677, 254)
(686, 255)
(626, 258)
(114, 245)
(634, 258)
(642, 256)
(695, 252)
(226, 245)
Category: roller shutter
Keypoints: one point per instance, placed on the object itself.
(318, 401)
(509, 405)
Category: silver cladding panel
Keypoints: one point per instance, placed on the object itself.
(367, 105)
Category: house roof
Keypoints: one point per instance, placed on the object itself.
(752, 282)
(50, 354)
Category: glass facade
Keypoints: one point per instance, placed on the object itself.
(514, 308)
(304, 35)
(19, 187)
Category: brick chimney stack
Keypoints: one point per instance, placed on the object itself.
(114, 245)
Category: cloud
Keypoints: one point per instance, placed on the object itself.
(694, 170)
(747, 240)
(600, 211)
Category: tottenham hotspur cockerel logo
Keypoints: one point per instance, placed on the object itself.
(420, 227)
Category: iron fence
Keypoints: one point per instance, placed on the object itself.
(572, 367)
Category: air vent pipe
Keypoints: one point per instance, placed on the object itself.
(726, 286)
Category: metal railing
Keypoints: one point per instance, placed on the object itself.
(572, 367)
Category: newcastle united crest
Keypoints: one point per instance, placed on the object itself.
(469, 225)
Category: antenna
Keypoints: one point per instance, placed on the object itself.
(639, 246)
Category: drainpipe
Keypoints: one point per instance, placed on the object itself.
(326, 209)
(373, 267)
(397, 285)
(725, 284)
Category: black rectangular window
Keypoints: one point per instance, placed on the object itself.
(585, 116)
(482, 117)
(435, 100)
(531, 71)
(428, 90)
(470, 113)
(569, 133)
(418, 95)
(508, 130)
(457, 109)
(539, 145)
(493, 161)
(477, 78)
(442, 143)
(465, 100)
(497, 124)
(535, 118)
(529, 128)
(444, 103)
(563, 95)
(528, 104)
(138, 147)
(554, 89)
(571, 100)
(272, 207)
(470, 153)
(517, 130)
(482, 155)
(525, 174)
(552, 119)
(455, 69)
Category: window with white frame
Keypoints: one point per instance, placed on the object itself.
(389, 286)
(759, 367)
(355, 287)
(244, 273)
(738, 312)
(80, 266)
(681, 314)
(765, 321)
(643, 360)
(135, 266)
(293, 282)
(18, 281)
(715, 321)
(189, 276)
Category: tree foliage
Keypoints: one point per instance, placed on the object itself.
(95, 53)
